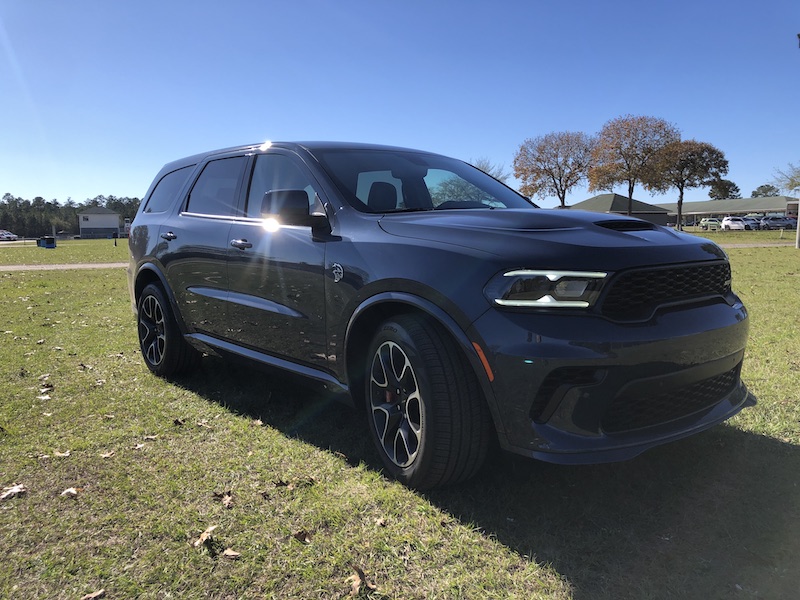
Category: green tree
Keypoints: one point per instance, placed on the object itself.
(683, 165)
(764, 191)
(625, 146)
(722, 189)
(552, 164)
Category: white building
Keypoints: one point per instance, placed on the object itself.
(98, 222)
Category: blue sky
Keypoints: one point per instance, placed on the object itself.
(96, 95)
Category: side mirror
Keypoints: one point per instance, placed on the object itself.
(292, 208)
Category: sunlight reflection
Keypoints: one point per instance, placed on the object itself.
(270, 224)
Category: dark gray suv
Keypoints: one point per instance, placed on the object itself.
(446, 306)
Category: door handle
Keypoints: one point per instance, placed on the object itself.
(169, 236)
(241, 244)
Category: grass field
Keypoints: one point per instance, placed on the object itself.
(123, 473)
(65, 252)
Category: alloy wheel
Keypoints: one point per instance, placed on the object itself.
(396, 404)
(152, 337)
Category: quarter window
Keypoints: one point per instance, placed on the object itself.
(166, 189)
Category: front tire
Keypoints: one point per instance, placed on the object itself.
(426, 413)
(164, 350)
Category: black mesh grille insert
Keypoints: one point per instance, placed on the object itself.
(555, 386)
(627, 413)
(635, 294)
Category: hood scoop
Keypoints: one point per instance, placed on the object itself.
(627, 225)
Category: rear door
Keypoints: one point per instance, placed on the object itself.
(276, 273)
(195, 244)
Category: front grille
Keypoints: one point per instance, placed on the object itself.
(634, 295)
(627, 413)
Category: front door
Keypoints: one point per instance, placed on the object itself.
(276, 303)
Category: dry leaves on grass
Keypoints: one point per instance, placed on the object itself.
(295, 483)
(205, 537)
(225, 497)
(213, 546)
(302, 536)
(16, 489)
(359, 579)
(95, 595)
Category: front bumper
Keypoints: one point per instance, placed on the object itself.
(577, 388)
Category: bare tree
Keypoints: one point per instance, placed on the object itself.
(788, 179)
(624, 148)
(682, 165)
(552, 164)
(497, 171)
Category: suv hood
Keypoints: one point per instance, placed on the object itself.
(555, 237)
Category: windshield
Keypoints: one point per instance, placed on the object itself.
(385, 181)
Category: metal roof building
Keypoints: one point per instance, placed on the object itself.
(618, 205)
(736, 206)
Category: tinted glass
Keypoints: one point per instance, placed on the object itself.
(166, 189)
(274, 172)
(214, 192)
(381, 181)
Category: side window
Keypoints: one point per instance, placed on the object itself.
(165, 190)
(274, 172)
(214, 192)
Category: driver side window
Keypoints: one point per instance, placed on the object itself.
(274, 172)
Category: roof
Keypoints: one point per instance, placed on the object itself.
(732, 206)
(98, 210)
(292, 146)
(614, 203)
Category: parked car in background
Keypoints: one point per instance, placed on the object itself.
(752, 223)
(447, 308)
(734, 223)
(776, 222)
(7, 236)
(710, 224)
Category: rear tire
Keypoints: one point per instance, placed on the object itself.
(164, 350)
(426, 413)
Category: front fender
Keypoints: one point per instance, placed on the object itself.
(371, 312)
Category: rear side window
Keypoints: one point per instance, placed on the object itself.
(166, 189)
(214, 192)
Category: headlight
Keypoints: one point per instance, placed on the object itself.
(546, 289)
